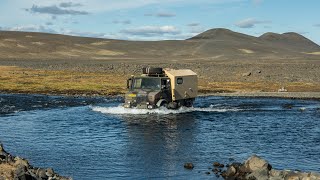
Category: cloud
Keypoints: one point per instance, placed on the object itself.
(32, 28)
(161, 14)
(193, 24)
(148, 31)
(55, 10)
(69, 4)
(121, 22)
(316, 25)
(250, 23)
(81, 33)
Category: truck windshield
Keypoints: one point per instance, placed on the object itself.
(147, 83)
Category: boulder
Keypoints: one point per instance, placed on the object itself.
(292, 176)
(50, 172)
(41, 173)
(277, 173)
(261, 174)
(21, 173)
(255, 163)
(20, 161)
(3, 152)
(231, 171)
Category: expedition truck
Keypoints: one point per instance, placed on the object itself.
(158, 87)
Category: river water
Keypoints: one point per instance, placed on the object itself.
(95, 138)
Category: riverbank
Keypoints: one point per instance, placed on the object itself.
(78, 83)
(290, 95)
(257, 168)
(14, 167)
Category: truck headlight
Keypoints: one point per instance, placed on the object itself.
(150, 107)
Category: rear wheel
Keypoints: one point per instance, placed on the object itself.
(188, 102)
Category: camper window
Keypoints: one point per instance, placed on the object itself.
(179, 80)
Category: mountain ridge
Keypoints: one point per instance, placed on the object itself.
(219, 43)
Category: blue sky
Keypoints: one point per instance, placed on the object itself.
(160, 19)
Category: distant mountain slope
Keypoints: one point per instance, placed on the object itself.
(212, 44)
(290, 39)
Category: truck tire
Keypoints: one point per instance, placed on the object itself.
(149, 70)
(162, 103)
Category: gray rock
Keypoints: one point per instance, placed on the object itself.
(261, 174)
(50, 172)
(314, 174)
(216, 164)
(20, 161)
(277, 173)
(41, 173)
(255, 163)
(231, 171)
(21, 173)
(246, 74)
(292, 176)
(188, 166)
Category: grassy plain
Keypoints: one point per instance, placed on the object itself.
(66, 82)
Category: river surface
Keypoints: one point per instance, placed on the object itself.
(95, 138)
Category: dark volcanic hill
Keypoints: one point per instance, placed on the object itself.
(213, 44)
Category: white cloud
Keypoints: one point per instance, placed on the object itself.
(109, 5)
(250, 23)
(148, 31)
(32, 28)
(55, 10)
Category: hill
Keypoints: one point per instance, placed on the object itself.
(214, 43)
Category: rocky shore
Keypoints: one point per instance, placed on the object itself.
(14, 167)
(255, 168)
(289, 95)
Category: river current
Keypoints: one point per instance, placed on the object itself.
(95, 138)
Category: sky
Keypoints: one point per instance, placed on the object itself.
(160, 19)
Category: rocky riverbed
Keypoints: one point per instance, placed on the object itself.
(255, 168)
(14, 167)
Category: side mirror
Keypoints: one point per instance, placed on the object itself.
(129, 82)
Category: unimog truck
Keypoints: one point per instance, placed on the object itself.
(158, 87)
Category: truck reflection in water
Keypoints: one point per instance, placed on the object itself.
(160, 141)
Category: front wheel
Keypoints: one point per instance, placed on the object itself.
(162, 103)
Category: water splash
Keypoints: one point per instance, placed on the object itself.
(121, 110)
